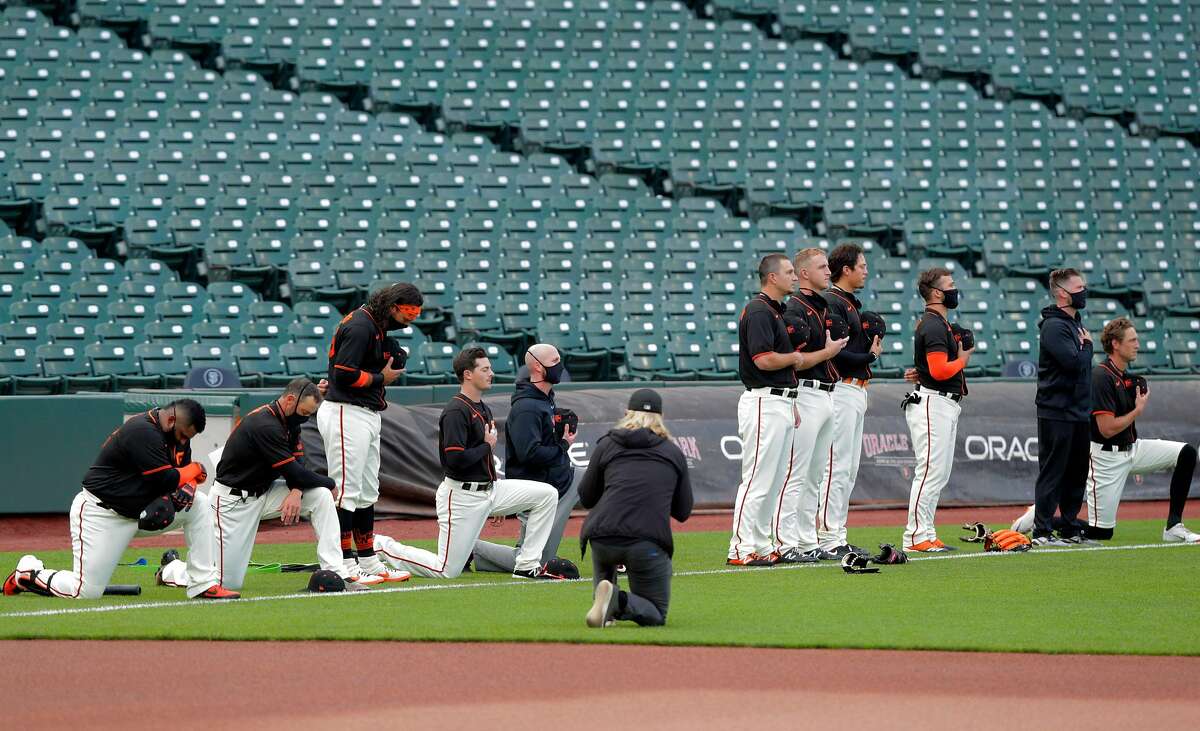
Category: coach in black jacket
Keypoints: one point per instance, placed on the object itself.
(636, 481)
(1064, 405)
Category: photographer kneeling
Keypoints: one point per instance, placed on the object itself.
(636, 481)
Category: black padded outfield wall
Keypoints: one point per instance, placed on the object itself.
(995, 458)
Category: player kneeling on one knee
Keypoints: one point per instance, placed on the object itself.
(143, 481)
(471, 491)
(635, 483)
(1117, 451)
(264, 447)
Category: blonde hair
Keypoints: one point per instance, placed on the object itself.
(644, 420)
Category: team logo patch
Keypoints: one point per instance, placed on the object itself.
(213, 377)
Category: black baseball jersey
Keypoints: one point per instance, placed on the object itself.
(813, 308)
(855, 359)
(935, 336)
(465, 455)
(258, 449)
(137, 464)
(761, 331)
(1112, 393)
(357, 356)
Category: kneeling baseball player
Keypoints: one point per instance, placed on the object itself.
(1117, 452)
(144, 481)
(265, 446)
(470, 491)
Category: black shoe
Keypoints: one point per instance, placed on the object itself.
(820, 554)
(538, 574)
(795, 555)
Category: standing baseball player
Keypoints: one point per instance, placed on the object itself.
(848, 270)
(536, 450)
(767, 415)
(264, 447)
(796, 514)
(470, 491)
(1117, 452)
(1064, 406)
(144, 468)
(363, 361)
(933, 408)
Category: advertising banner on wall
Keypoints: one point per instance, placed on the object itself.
(995, 458)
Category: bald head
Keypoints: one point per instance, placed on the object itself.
(540, 359)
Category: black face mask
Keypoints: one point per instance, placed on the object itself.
(949, 298)
(553, 373)
(1079, 299)
(295, 420)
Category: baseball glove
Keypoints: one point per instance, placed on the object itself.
(564, 418)
(889, 554)
(1006, 540)
(964, 336)
(562, 567)
(836, 325)
(979, 532)
(857, 563)
(873, 325)
(797, 329)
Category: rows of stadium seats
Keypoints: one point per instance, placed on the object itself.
(1104, 57)
(303, 200)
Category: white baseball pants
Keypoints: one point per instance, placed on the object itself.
(796, 511)
(236, 519)
(1108, 472)
(461, 515)
(99, 537)
(841, 469)
(351, 436)
(933, 426)
(766, 424)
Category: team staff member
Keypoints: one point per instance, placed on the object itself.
(767, 414)
(146, 458)
(362, 362)
(264, 447)
(1064, 406)
(848, 270)
(796, 514)
(535, 452)
(933, 408)
(636, 481)
(471, 492)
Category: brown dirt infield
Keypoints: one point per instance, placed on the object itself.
(128, 685)
(51, 532)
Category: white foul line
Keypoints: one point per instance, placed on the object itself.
(526, 582)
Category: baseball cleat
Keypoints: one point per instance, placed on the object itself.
(938, 542)
(795, 555)
(540, 574)
(597, 616)
(12, 585)
(1177, 533)
(927, 547)
(1051, 541)
(371, 570)
(218, 592)
(754, 560)
(27, 566)
(1024, 524)
(1081, 540)
(352, 585)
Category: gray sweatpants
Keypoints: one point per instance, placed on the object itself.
(503, 559)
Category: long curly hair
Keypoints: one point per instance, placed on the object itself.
(382, 300)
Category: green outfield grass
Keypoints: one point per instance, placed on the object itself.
(1136, 600)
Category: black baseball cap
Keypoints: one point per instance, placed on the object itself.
(158, 515)
(324, 580)
(645, 399)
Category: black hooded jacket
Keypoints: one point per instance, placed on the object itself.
(532, 451)
(635, 483)
(1064, 391)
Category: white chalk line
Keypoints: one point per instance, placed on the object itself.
(197, 603)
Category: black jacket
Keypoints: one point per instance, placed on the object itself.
(138, 463)
(532, 450)
(357, 355)
(1064, 391)
(635, 482)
